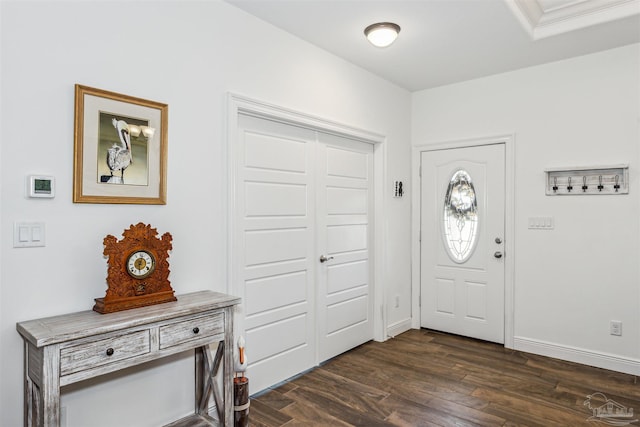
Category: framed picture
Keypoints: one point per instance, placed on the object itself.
(120, 148)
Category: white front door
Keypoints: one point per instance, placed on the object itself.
(462, 241)
(344, 200)
(300, 194)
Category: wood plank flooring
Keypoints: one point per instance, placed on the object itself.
(427, 378)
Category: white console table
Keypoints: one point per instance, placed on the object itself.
(65, 349)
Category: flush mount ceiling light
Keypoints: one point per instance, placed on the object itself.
(382, 34)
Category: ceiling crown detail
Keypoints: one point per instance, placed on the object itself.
(546, 18)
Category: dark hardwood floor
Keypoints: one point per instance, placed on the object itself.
(426, 378)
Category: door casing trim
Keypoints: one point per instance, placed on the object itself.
(509, 239)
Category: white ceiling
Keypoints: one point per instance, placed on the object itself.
(448, 41)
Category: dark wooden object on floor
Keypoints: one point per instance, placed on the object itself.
(241, 401)
(427, 378)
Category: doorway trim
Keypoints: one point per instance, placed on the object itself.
(509, 265)
(238, 104)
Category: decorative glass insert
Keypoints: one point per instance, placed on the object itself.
(460, 219)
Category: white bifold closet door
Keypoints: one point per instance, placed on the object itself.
(301, 195)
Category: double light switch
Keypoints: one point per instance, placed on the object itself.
(28, 234)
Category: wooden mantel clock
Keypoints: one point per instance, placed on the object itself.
(138, 272)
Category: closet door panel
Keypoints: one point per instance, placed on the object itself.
(276, 257)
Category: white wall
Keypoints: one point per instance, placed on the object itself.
(189, 55)
(571, 281)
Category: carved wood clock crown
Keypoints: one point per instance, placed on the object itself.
(138, 270)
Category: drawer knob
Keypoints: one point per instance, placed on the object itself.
(196, 330)
(109, 351)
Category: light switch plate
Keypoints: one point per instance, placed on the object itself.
(28, 234)
(541, 223)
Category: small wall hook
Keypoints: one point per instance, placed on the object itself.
(617, 186)
(569, 186)
(600, 186)
(584, 184)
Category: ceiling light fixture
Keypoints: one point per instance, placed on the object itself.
(382, 34)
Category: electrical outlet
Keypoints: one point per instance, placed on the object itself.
(397, 301)
(616, 328)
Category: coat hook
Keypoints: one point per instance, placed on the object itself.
(617, 186)
(569, 187)
(555, 184)
(600, 186)
(584, 184)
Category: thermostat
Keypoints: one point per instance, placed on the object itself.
(42, 186)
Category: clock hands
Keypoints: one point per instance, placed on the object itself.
(140, 263)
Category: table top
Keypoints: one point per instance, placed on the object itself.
(66, 327)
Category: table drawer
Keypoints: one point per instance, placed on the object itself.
(191, 330)
(102, 352)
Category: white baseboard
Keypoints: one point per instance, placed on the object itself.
(398, 327)
(578, 355)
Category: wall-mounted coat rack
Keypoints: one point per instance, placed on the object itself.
(587, 180)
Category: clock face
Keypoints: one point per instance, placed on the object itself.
(140, 264)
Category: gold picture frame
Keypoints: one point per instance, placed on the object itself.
(120, 148)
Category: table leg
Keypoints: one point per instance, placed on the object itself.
(49, 405)
(41, 386)
(227, 378)
(28, 390)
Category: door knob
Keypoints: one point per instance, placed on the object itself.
(498, 254)
(498, 240)
(324, 258)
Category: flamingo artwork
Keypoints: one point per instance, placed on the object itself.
(119, 156)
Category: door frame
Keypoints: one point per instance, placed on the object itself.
(238, 104)
(509, 238)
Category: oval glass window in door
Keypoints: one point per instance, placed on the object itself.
(460, 217)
